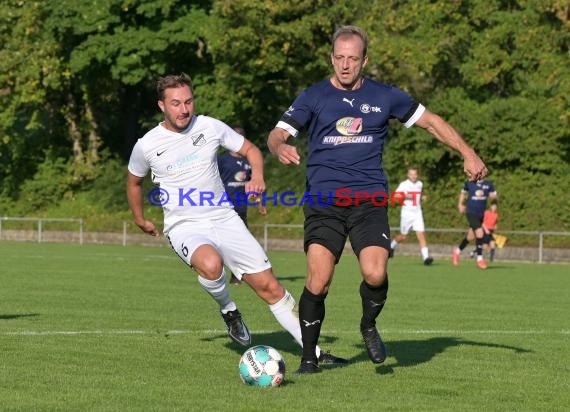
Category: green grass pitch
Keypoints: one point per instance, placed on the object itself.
(128, 329)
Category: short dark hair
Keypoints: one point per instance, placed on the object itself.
(351, 31)
(171, 81)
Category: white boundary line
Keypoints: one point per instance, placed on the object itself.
(223, 331)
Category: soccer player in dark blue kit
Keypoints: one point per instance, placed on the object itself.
(347, 121)
(235, 171)
(473, 202)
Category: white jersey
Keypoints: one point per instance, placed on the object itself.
(184, 166)
(412, 205)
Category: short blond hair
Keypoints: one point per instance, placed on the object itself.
(351, 31)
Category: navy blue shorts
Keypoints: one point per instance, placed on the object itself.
(475, 221)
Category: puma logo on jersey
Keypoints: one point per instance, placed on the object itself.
(311, 323)
(348, 101)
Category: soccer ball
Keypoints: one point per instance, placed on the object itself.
(262, 366)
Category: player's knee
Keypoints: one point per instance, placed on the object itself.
(207, 261)
(318, 281)
(209, 266)
(376, 277)
(317, 288)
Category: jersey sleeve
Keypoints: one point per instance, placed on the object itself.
(138, 165)
(465, 187)
(492, 188)
(402, 187)
(229, 138)
(297, 115)
(404, 107)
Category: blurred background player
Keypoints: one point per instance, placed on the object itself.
(490, 220)
(473, 202)
(235, 171)
(411, 216)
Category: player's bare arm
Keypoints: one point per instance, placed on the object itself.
(253, 155)
(286, 153)
(135, 197)
(472, 164)
(461, 203)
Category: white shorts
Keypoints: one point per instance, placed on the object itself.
(413, 221)
(240, 251)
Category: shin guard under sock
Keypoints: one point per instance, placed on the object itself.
(311, 317)
(373, 300)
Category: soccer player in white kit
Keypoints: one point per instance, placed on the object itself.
(199, 219)
(411, 216)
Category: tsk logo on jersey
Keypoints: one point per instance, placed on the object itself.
(366, 108)
(349, 126)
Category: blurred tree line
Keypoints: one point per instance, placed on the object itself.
(77, 89)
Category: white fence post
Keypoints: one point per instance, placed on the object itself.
(540, 246)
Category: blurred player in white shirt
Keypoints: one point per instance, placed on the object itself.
(411, 217)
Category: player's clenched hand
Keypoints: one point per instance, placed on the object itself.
(474, 167)
(148, 227)
(256, 185)
(287, 154)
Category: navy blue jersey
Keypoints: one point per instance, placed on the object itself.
(477, 194)
(235, 171)
(347, 130)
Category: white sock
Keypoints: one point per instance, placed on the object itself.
(425, 253)
(394, 244)
(284, 312)
(218, 290)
